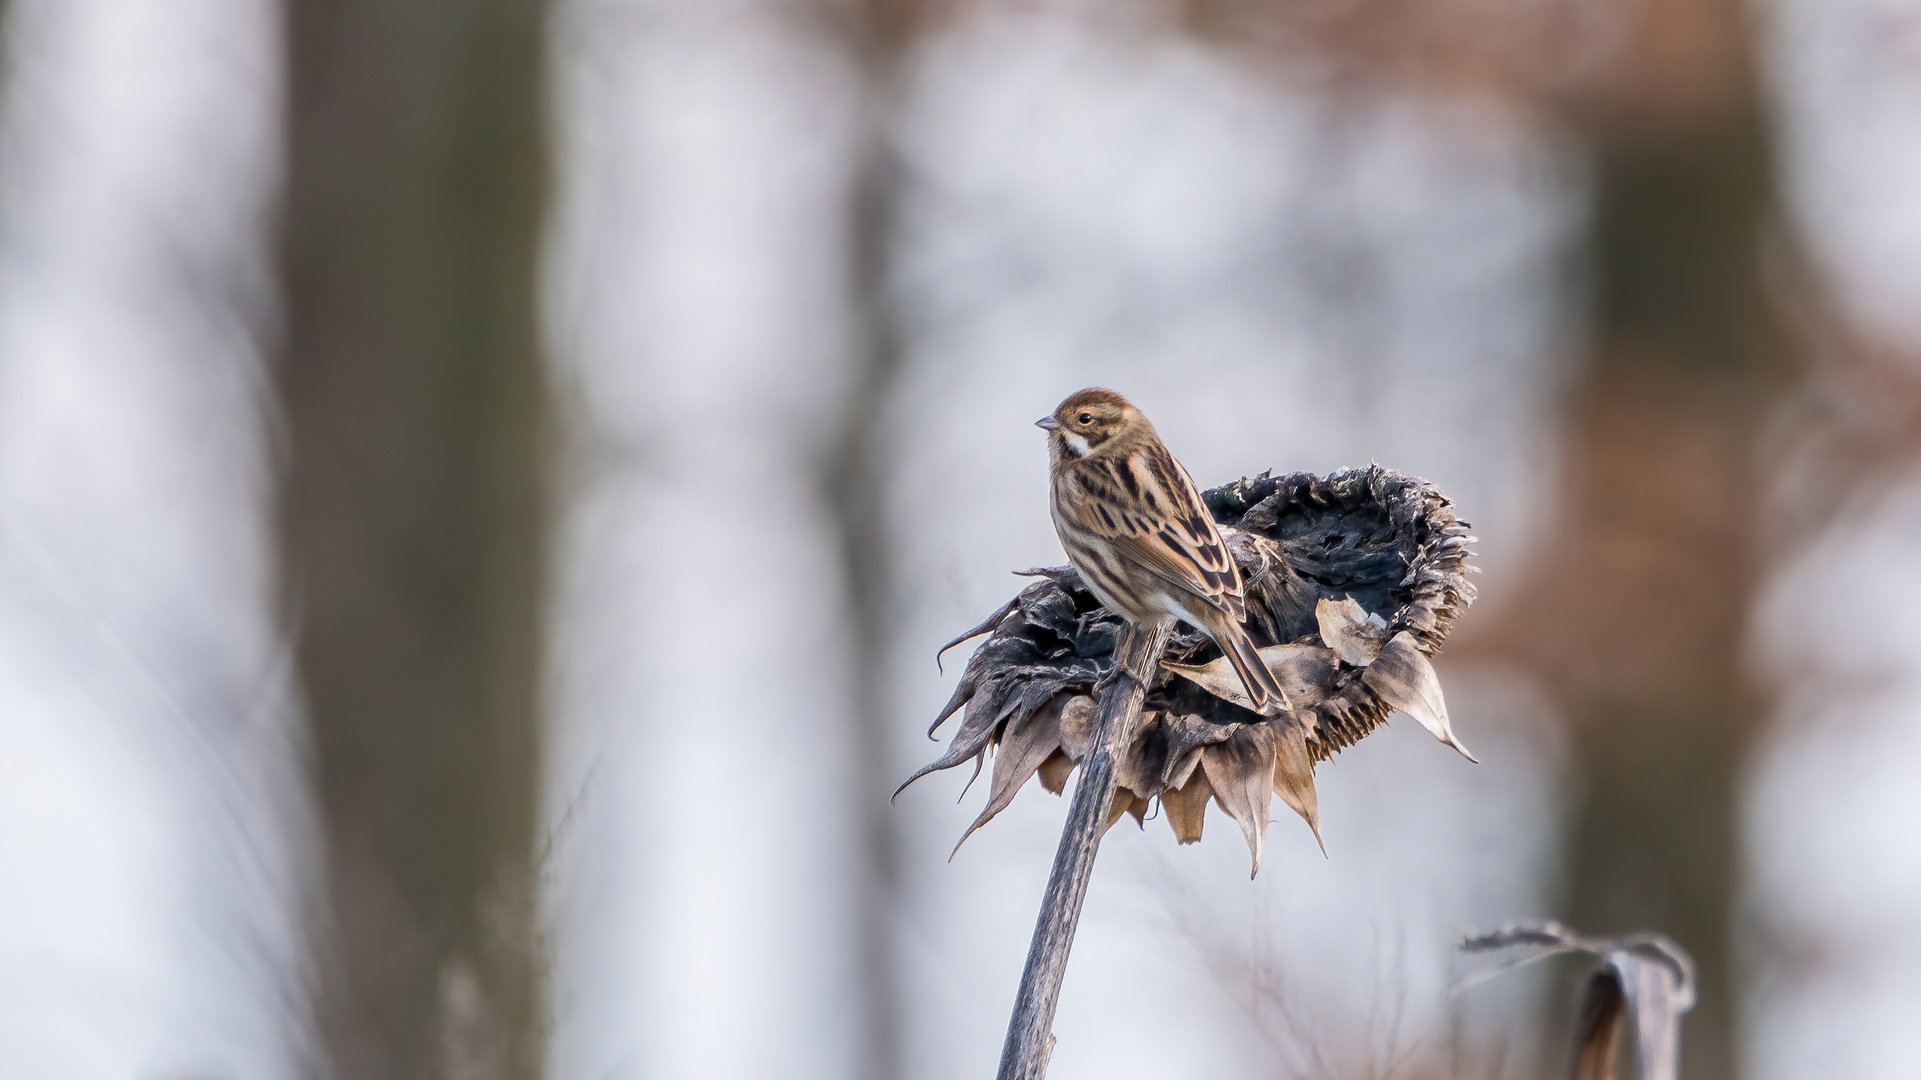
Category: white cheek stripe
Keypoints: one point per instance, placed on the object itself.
(1078, 445)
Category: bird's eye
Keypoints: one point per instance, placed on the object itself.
(1086, 418)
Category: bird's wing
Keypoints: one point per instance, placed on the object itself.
(1151, 513)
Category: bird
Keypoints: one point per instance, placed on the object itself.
(1133, 525)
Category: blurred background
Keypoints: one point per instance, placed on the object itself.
(482, 483)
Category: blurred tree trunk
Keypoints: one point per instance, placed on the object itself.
(874, 34)
(1639, 615)
(1660, 583)
(413, 518)
(857, 487)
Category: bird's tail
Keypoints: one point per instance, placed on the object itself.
(1262, 687)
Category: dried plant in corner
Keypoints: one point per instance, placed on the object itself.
(1352, 583)
(1640, 988)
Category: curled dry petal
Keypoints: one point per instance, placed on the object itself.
(1186, 805)
(976, 729)
(1139, 770)
(1294, 776)
(1126, 802)
(1241, 772)
(1186, 735)
(1217, 678)
(1055, 770)
(987, 626)
(1404, 679)
(963, 693)
(1303, 670)
(1643, 984)
(979, 760)
(1349, 630)
(1030, 739)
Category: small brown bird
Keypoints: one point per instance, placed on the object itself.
(1136, 529)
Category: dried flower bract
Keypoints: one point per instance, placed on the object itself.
(1352, 583)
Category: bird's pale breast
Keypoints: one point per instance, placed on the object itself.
(1095, 500)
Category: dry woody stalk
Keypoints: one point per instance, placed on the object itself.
(1636, 994)
(1352, 581)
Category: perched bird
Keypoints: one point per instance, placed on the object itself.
(1134, 526)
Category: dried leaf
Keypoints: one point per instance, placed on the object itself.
(1645, 980)
(1294, 775)
(979, 760)
(1405, 680)
(1186, 806)
(1029, 740)
(1348, 629)
(987, 626)
(1185, 736)
(1055, 770)
(1125, 802)
(1139, 770)
(1306, 673)
(981, 721)
(1657, 994)
(963, 693)
(1052, 608)
(1241, 772)
(1217, 678)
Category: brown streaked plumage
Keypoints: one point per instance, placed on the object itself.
(1134, 526)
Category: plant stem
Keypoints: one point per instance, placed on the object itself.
(1030, 1036)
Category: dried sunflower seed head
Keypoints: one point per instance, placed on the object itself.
(1352, 581)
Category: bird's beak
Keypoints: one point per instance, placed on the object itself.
(1047, 423)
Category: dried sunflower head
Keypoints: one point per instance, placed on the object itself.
(1352, 582)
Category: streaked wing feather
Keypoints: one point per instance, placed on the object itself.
(1178, 543)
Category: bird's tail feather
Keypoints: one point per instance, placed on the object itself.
(1262, 687)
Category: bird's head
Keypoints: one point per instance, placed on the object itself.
(1086, 421)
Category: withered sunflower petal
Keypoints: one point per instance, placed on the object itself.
(1305, 672)
(1404, 679)
(1241, 772)
(962, 694)
(1347, 630)
(1140, 770)
(984, 715)
(979, 759)
(1185, 737)
(1125, 802)
(1055, 771)
(1294, 775)
(987, 625)
(1217, 677)
(1029, 740)
(1186, 806)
